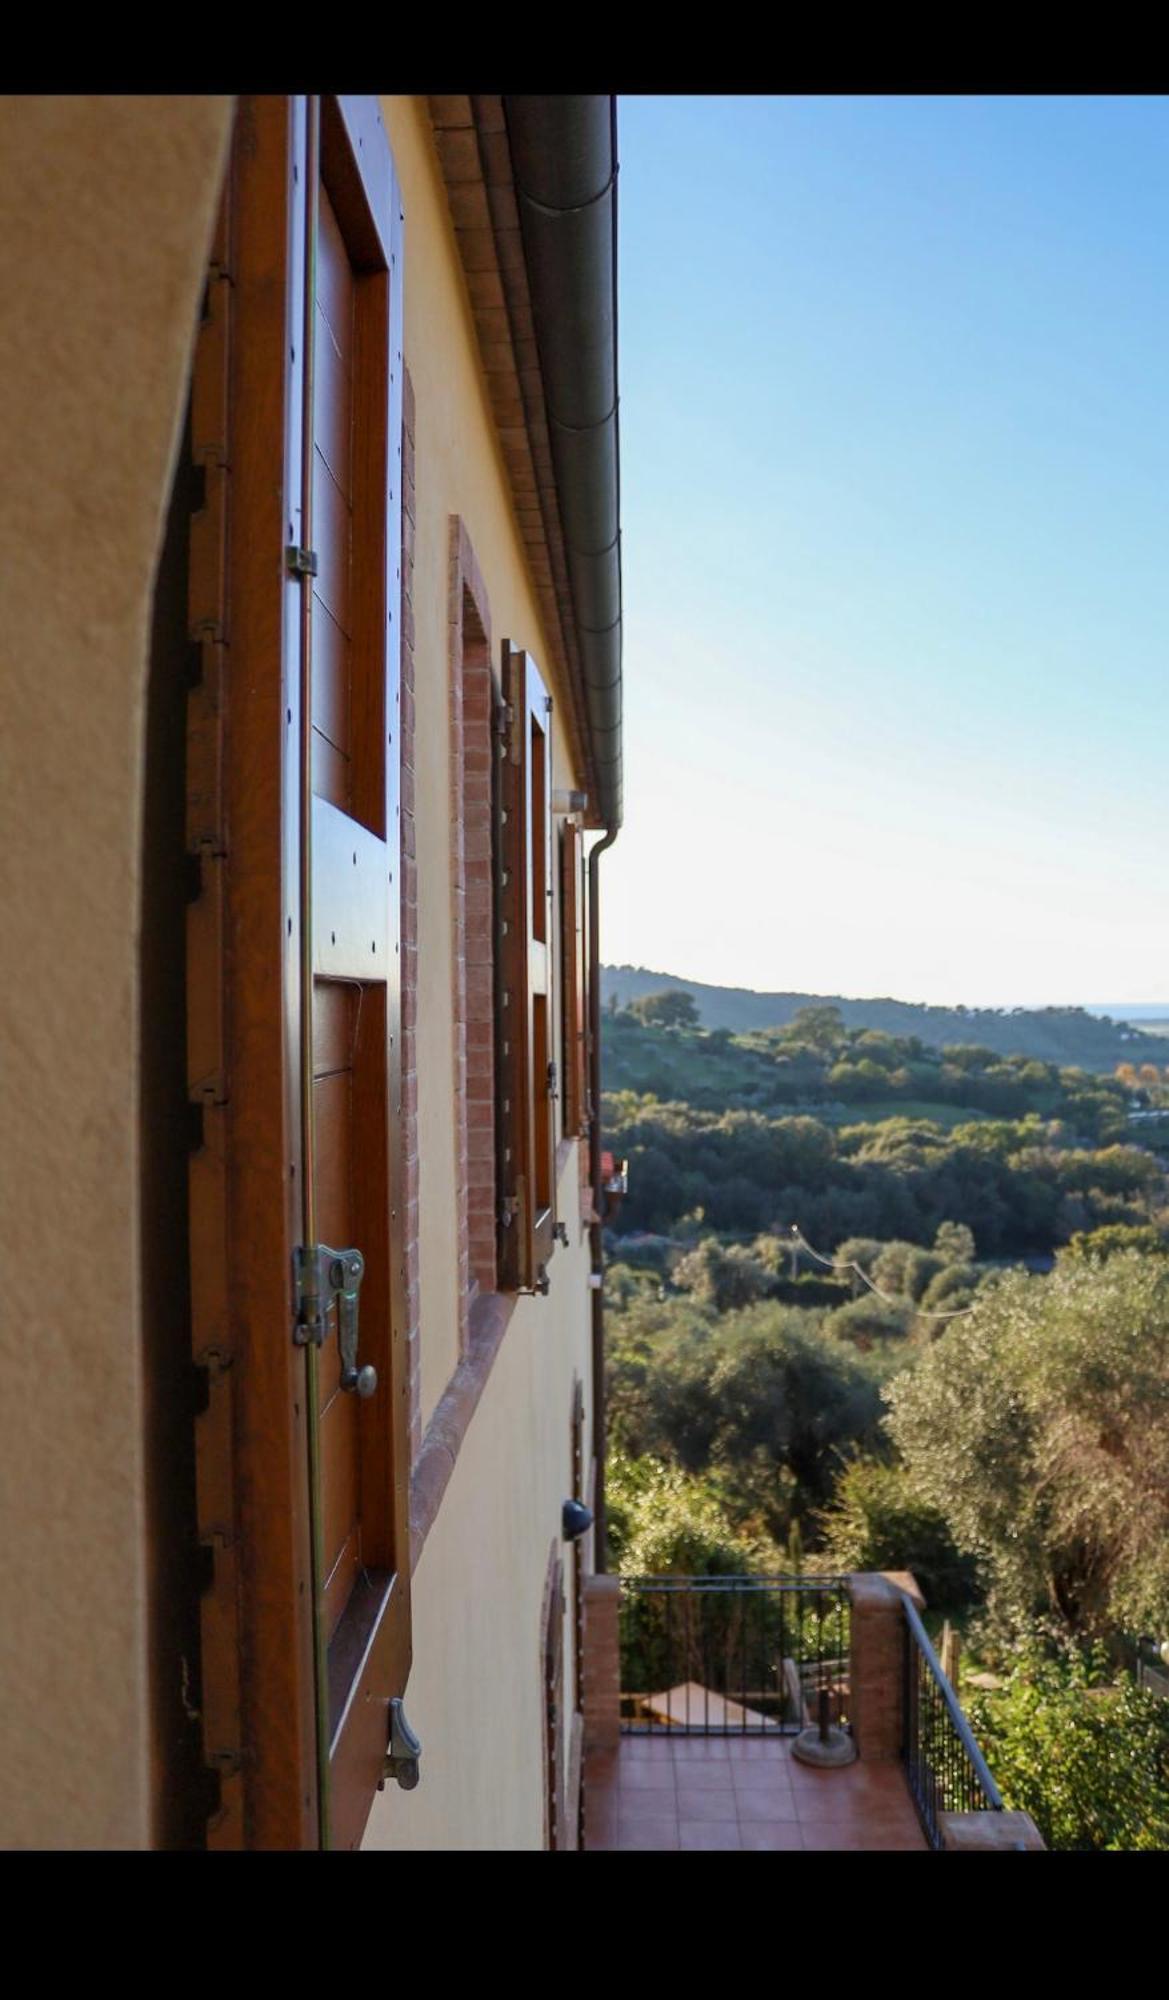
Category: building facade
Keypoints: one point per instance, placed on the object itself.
(312, 747)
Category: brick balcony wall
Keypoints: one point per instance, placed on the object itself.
(877, 1661)
(601, 1663)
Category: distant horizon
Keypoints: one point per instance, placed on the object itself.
(1114, 1009)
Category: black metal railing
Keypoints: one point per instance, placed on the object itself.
(946, 1770)
(733, 1655)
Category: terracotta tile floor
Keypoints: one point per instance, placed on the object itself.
(678, 1793)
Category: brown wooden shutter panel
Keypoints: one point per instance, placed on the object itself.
(525, 958)
(257, 1509)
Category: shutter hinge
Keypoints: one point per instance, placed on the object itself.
(553, 1079)
(509, 1208)
(301, 562)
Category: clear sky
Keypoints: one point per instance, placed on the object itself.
(895, 505)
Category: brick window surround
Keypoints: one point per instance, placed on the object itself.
(484, 1313)
(472, 757)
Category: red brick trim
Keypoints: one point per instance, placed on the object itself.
(409, 893)
(878, 1640)
(601, 1690)
(488, 1321)
(471, 701)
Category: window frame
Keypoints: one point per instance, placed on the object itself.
(526, 990)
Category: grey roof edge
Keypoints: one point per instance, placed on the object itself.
(564, 168)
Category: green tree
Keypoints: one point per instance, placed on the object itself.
(955, 1242)
(722, 1278)
(1105, 1242)
(952, 1290)
(821, 1027)
(1040, 1428)
(867, 1319)
(758, 1400)
(671, 1009)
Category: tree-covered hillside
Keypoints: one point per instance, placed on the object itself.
(1063, 1035)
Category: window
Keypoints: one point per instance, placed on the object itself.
(527, 1066)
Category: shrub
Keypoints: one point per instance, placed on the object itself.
(1087, 1756)
(666, 1522)
(876, 1520)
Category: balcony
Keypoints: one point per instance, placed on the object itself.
(741, 1793)
(709, 1700)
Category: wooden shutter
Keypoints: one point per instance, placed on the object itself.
(527, 1068)
(572, 950)
(304, 1493)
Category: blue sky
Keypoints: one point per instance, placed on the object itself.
(895, 503)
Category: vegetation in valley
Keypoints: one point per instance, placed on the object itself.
(769, 1413)
(854, 1133)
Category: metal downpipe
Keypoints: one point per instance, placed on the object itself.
(601, 1557)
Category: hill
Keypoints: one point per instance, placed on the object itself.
(1063, 1035)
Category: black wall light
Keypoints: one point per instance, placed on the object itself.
(575, 1519)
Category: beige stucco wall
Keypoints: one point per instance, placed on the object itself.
(106, 207)
(476, 1689)
(459, 469)
(475, 1693)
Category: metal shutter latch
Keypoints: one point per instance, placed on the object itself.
(404, 1751)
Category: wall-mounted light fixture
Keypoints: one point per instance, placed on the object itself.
(575, 1520)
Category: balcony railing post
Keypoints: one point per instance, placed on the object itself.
(878, 1665)
(601, 1663)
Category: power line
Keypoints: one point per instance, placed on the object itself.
(830, 1264)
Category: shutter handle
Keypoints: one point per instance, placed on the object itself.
(345, 1274)
(404, 1752)
(322, 1278)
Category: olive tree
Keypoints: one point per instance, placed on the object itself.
(1039, 1427)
